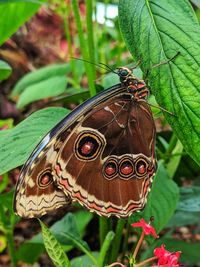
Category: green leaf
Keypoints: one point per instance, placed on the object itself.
(3, 243)
(48, 88)
(105, 247)
(154, 31)
(175, 159)
(162, 200)
(190, 199)
(190, 251)
(27, 249)
(5, 70)
(54, 249)
(182, 218)
(38, 76)
(3, 182)
(19, 142)
(75, 225)
(13, 15)
(84, 260)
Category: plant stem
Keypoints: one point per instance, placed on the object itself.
(11, 247)
(125, 243)
(66, 12)
(138, 245)
(145, 261)
(90, 34)
(172, 144)
(117, 240)
(83, 47)
(104, 227)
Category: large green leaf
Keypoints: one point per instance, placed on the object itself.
(19, 142)
(5, 70)
(162, 200)
(15, 14)
(154, 32)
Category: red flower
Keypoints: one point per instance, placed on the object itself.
(167, 258)
(147, 228)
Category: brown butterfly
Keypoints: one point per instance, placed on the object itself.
(102, 155)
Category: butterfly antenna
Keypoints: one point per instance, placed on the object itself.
(163, 109)
(100, 65)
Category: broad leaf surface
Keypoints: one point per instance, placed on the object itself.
(74, 223)
(14, 14)
(83, 261)
(38, 76)
(162, 200)
(190, 199)
(19, 142)
(5, 70)
(53, 86)
(154, 31)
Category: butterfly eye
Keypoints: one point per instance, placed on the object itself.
(126, 168)
(88, 146)
(123, 72)
(45, 179)
(110, 169)
(141, 167)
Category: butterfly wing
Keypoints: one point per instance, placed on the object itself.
(36, 191)
(108, 161)
(101, 155)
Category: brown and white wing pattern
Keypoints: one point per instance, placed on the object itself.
(36, 192)
(107, 163)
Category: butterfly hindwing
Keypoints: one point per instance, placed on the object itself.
(36, 191)
(108, 161)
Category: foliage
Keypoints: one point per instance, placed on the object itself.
(164, 35)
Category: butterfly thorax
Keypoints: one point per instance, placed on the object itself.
(134, 85)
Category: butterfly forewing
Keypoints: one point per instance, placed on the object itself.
(101, 155)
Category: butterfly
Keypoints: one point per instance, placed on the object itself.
(102, 155)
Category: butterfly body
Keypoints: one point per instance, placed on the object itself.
(101, 155)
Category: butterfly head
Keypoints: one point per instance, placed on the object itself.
(124, 73)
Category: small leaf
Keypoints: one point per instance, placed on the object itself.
(15, 14)
(19, 142)
(84, 261)
(54, 249)
(154, 31)
(162, 200)
(38, 76)
(3, 182)
(105, 247)
(53, 86)
(175, 159)
(3, 243)
(5, 70)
